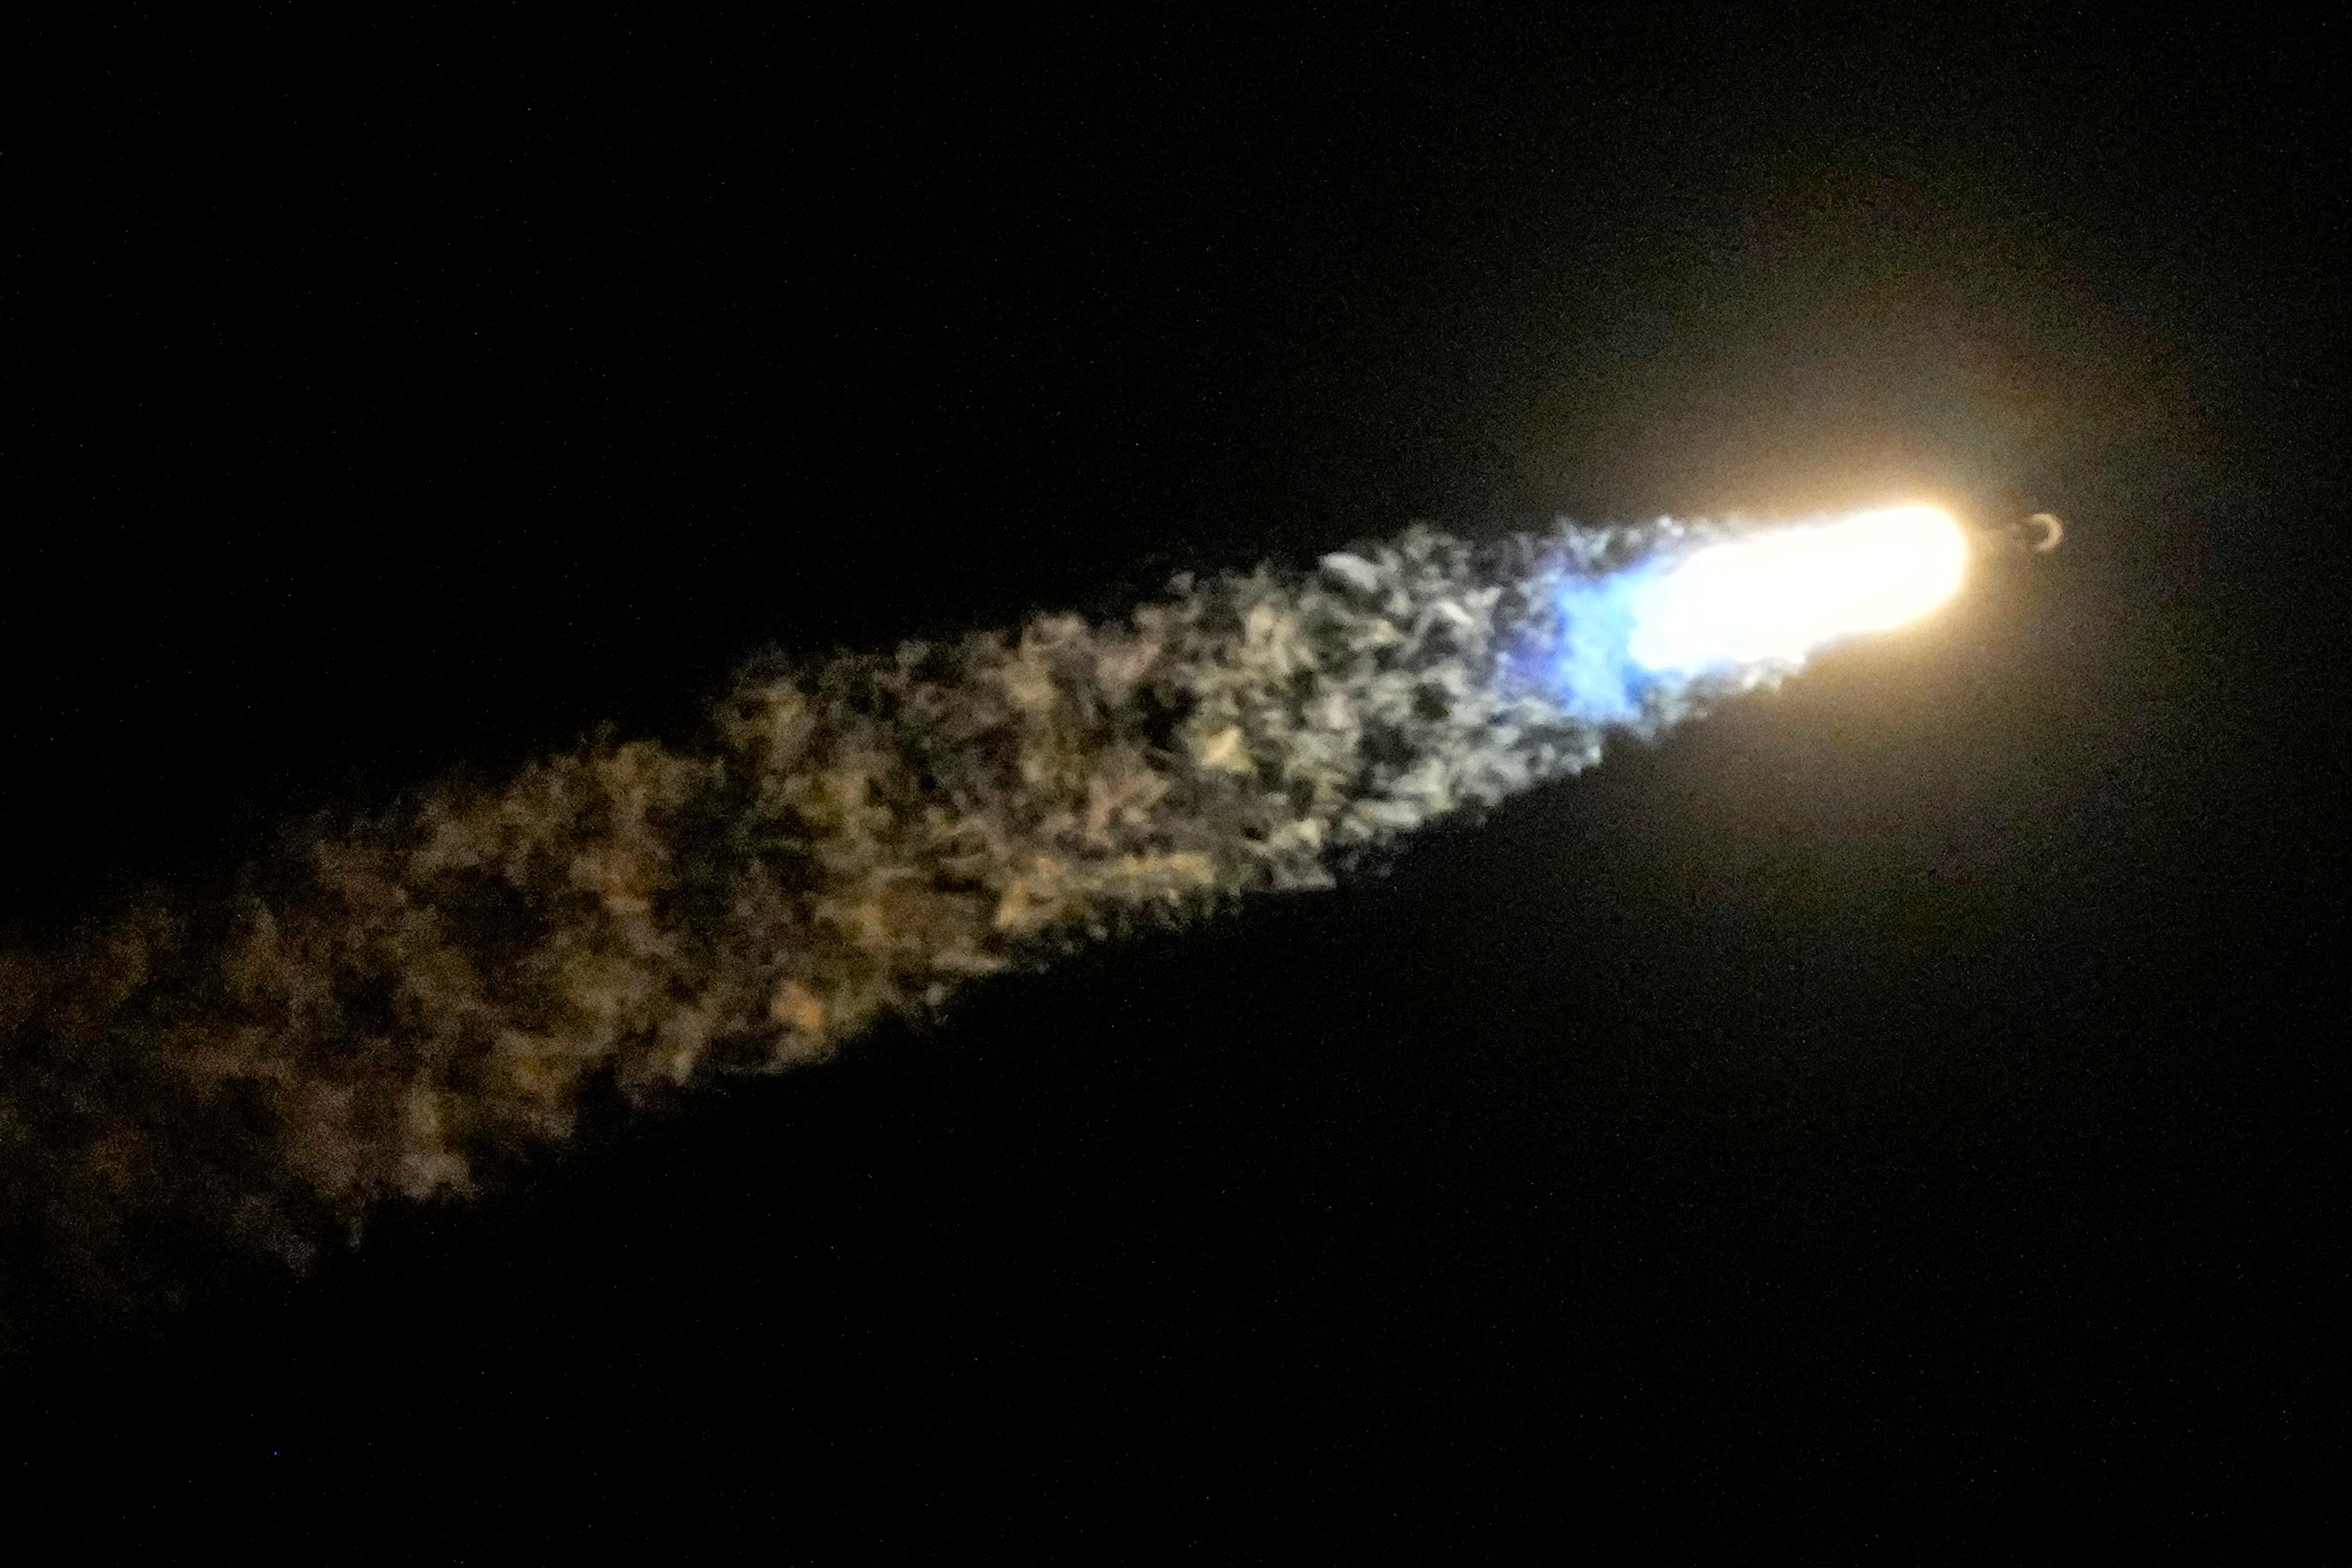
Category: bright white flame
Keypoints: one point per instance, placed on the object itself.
(1780, 595)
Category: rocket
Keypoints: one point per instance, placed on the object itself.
(2038, 534)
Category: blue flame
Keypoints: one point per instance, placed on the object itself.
(1743, 606)
(1586, 664)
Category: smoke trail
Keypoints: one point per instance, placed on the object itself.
(383, 1007)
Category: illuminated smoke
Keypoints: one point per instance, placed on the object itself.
(385, 1008)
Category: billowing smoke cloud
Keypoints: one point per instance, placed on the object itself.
(384, 1008)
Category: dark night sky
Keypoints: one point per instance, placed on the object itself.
(1898, 1106)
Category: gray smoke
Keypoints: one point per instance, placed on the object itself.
(380, 1008)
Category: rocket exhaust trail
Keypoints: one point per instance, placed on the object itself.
(382, 1006)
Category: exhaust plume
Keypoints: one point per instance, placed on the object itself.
(386, 1007)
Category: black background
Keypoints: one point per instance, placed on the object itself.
(1897, 1108)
